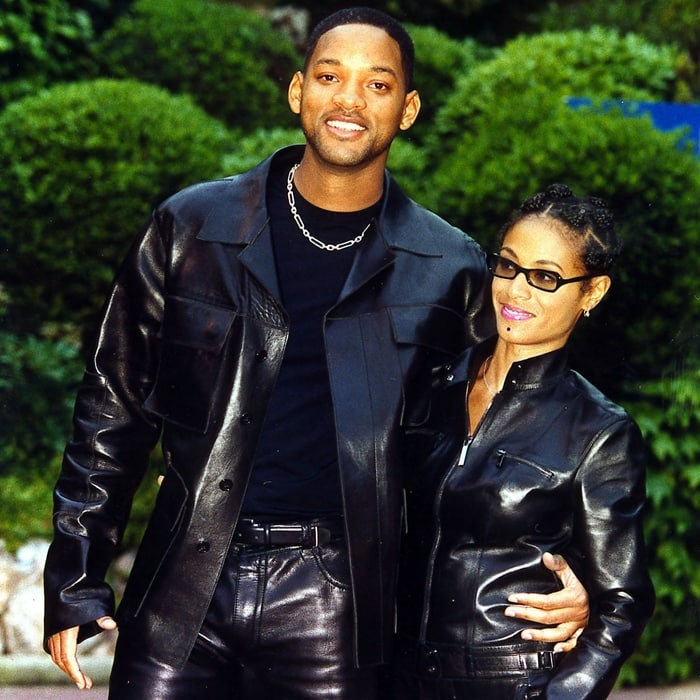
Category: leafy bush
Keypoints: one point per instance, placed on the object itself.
(232, 61)
(37, 378)
(46, 41)
(40, 42)
(598, 63)
(253, 148)
(506, 132)
(668, 411)
(83, 165)
(652, 187)
(660, 21)
(440, 62)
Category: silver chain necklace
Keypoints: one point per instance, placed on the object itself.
(302, 227)
(487, 364)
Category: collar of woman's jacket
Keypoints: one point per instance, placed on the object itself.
(532, 373)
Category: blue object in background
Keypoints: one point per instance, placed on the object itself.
(666, 116)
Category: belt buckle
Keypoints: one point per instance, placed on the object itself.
(546, 659)
(287, 529)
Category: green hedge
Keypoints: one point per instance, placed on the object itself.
(661, 21)
(38, 377)
(83, 165)
(668, 411)
(653, 188)
(41, 41)
(440, 62)
(506, 132)
(598, 63)
(252, 148)
(231, 60)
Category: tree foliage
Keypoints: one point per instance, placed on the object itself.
(46, 41)
(668, 411)
(439, 65)
(83, 165)
(507, 132)
(598, 63)
(229, 59)
(38, 377)
(660, 21)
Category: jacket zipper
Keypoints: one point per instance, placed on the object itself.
(459, 463)
(436, 540)
(503, 454)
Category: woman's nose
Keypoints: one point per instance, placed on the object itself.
(520, 287)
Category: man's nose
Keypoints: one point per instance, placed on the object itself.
(349, 98)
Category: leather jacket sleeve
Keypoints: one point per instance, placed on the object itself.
(609, 540)
(112, 439)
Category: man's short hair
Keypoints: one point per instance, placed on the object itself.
(375, 18)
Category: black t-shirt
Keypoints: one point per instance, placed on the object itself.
(295, 474)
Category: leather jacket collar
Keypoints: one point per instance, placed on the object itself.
(532, 373)
(397, 225)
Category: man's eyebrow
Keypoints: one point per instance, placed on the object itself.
(372, 69)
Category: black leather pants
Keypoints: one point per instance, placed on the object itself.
(279, 628)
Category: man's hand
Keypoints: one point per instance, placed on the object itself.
(566, 610)
(63, 647)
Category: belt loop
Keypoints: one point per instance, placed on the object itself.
(266, 531)
(315, 528)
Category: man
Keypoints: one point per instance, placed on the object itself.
(272, 326)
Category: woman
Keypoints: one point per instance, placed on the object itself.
(543, 462)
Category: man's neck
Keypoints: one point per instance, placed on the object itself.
(339, 188)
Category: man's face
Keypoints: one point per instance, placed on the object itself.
(352, 98)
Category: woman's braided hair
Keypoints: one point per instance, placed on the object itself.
(586, 221)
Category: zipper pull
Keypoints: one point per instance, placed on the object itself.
(463, 454)
(501, 455)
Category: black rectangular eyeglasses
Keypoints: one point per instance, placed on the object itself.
(546, 280)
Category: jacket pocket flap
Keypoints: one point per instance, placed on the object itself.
(431, 326)
(196, 324)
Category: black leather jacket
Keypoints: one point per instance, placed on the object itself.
(191, 343)
(553, 466)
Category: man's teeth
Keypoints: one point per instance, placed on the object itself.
(349, 126)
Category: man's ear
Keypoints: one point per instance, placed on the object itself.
(411, 108)
(294, 92)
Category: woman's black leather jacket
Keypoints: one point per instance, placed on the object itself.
(553, 466)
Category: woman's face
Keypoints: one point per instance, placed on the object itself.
(533, 320)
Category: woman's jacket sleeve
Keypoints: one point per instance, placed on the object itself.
(609, 501)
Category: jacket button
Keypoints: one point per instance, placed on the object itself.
(225, 484)
(246, 418)
(203, 546)
(432, 666)
(261, 355)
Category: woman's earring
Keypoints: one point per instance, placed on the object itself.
(586, 313)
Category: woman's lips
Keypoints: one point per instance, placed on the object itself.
(512, 313)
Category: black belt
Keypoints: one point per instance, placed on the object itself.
(309, 534)
(435, 661)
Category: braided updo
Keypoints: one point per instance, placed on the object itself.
(585, 221)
